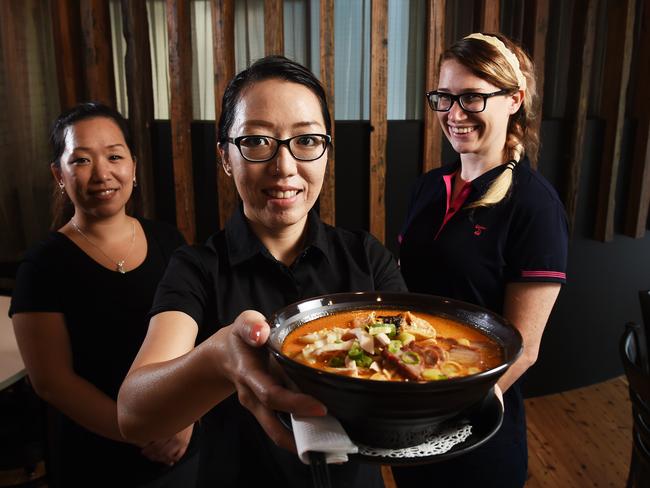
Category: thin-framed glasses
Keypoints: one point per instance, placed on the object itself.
(303, 147)
(469, 102)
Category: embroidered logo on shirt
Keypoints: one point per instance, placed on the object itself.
(478, 229)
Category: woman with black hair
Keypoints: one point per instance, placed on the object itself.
(274, 139)
(80, 308)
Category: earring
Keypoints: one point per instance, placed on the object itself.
(135, 183)
(62, 187)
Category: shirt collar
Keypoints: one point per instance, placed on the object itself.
(482, 183)
(244, 245)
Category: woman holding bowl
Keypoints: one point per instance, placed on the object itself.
(489, 230)
(201, 357)
(80, 305)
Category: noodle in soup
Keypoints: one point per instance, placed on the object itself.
(392, 346)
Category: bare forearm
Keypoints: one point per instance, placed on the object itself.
(157, 400)
(527, 306)
(84, 403)
(514, 372)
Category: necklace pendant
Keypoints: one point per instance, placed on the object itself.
(120, 267)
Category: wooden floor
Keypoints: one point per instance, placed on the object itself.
(580, 438)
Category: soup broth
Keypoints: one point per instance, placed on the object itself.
(392, 345)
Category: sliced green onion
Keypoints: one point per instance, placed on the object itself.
(336, 362)
(405, 337)
(394, 347)
(410, 357)
(364, 361)
(388, 329)
(432, 374)
(355, 351)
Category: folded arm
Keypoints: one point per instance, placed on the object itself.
(45, 348)
(527, 306)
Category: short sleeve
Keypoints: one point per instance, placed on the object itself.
(538, 244)
(185, 285)
(36, 289)
(386, 273)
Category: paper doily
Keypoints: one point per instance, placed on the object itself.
(437, 444)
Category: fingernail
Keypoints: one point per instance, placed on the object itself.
(319, 411)
(255, 333)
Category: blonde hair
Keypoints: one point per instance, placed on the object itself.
(484, 59)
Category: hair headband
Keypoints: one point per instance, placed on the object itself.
(506, 53)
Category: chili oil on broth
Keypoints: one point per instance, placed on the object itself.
(455, 350)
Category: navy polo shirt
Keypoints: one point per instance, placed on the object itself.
(471, 254)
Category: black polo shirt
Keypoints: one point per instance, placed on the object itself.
(233, 272)
(471, 254)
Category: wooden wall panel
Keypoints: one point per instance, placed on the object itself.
(620, 16)
(97, 51)
(223, 55)
(140, 94)
(180, 86)
(378, 111)
(328, 193)
(636, 215)
(582, 56)
(66, 31)
(435, 40)
(534, 40)
(274, 26)
(488, 15)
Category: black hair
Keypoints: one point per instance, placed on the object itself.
(62, 207)
(266, 68)
(84, 111)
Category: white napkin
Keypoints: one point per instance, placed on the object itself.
(322, 434)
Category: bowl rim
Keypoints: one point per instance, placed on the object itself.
(450, 383)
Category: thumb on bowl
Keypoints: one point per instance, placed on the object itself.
(252, 328)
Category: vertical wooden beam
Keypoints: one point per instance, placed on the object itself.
(534, 32)
(328, 193)
(488, 15)
(378, 111)
(273, 27)
(97, 51)
(223, 55)
(582, 57)
(180, 85)
(66, 31)
(435, 45)
(139, 89)
(620, 15)
(636, 215)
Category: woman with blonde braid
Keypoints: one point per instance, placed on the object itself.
(489, 230)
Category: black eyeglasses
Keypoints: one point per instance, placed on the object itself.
(469, 102)
(259, 149)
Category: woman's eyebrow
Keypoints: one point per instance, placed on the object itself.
(84, 148)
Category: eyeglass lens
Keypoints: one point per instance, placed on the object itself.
(306, 147)
(470, 102)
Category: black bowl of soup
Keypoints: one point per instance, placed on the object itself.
(393, 367)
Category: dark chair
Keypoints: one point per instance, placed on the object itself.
(644, 300)
(633, 351)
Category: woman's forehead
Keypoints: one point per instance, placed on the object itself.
(275, 103)
(455, 75)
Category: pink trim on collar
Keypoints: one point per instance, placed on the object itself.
(453, 207)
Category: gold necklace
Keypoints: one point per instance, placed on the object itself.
(119, 265)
